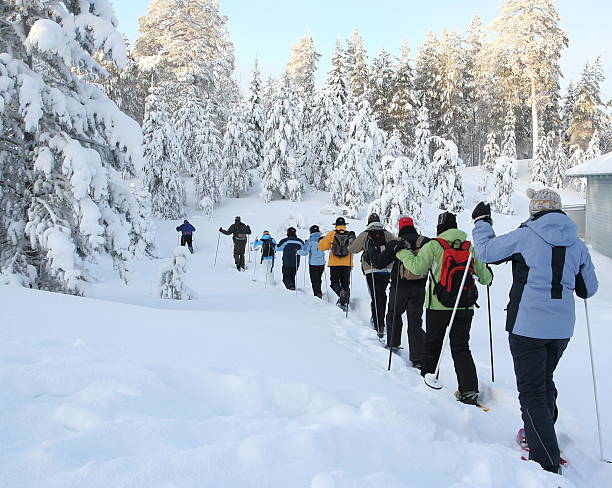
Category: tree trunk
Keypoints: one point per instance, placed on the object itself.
(534, 120)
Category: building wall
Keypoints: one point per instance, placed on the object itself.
(599, 213)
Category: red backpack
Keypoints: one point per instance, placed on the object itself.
(454, 261)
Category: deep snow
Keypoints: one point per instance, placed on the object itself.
(247, 386)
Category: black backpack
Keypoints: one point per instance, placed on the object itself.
(340, 244)
(377, 236)
(267, 249)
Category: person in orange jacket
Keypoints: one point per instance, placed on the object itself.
(340, 261)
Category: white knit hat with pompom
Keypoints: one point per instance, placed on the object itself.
(545, 199)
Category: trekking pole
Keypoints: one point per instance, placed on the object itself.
(249, 247)
(490, 332)
(588, 322)
(217, 250)
(349, 290)
(326, 287)
(390, 342)
(266, 271)
(432, 379)
(296, 274)
(179, 236)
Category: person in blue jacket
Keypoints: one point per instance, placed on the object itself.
(549, 264)
(316, 259)
(268, 248)
(290, 246)
(186, 230)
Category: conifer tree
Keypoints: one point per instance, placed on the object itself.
(505, 174)
(209, 171)
(540, 166)
(577, 157)
(188, 121)
(254, 115)
(491, 152)
(587, 115)
(356, 66)
(421, 150)
(238, 155)
(163, 159)
(508, 148)
(381, 89)
(447, 176)
(593, 150)
(403, 108)
(560, 165)
(429, 74)
(280, 171)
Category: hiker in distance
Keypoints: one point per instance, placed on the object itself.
(239, 232)
(340, 261)
(290, 246)
(549, 264)
(316, 259)
(186, 230)
(437, 256)
(407, 293)
(268, 248)
(375, 237)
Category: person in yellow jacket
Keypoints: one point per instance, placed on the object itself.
(340, 260)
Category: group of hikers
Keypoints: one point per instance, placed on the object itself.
(549, 264)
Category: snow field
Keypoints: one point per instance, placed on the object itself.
(253, 386)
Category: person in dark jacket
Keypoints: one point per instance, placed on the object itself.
(377, 279)
(549, 264)
(407, 293)
(290, 246)
(239, 232)
(186, 230)
(316, 259)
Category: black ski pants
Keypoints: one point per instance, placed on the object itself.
(340, 281)
(239, 249)
(437, 322)
(377, 286)
(316, 273)
(535, 361)
(187, 239)
(410, 299)
(289, 273)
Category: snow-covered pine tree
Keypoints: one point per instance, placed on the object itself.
(421, 150)
(403, 108)
(427, 82)
(540, 166)
(354, 180)
(63, 146)
(331, 113)
(393, 146)
(491, 152)
(560, 165)
(171, 280)
(577, 157)
(255, 115)
(381, 84)
(188, 121)
(302, 66)
(163, 159)
(356, 66)
(593, 150)
(209, 170)
(280, 170)
(505, 175)
(238, 155)
(508, 148)
(447, 175)
(569, 105)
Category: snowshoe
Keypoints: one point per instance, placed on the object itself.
(417, 365)
(521, 440)
(467, 397)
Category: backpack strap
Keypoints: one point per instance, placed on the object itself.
(445, 245)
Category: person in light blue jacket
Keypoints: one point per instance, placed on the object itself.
(316, 259)
(549, 264)
(268, 248)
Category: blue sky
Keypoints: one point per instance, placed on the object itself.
(266, 28)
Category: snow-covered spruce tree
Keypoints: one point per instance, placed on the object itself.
(491, 152)
(188, 121)
(593, 150)
(209, 170)
(163, 159)
(508, 148)
(560, 165)
(302, 66)
(528, 33)
(427, 82)
(63, 145)
(505, 175)
(254, 115)
(421, 150)
(238, 155)
(330, 131)
(447, 176)
(393, 146)
(381, 83)
(540, 165)
(569, 105)
(280, 170)
(354, 180)
(577, 157)
(171, 280)
(356, 66)
(403, 108)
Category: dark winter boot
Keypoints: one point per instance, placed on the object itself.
(467, 397)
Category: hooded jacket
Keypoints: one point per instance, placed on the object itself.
(259, 242)
(290, 246)
(430, 257)
(549, 262)
(311, 247)
(363, 243)
(325, 244)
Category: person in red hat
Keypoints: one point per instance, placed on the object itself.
(407, 293)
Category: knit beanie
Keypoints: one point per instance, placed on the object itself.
(373, 218)
(314, 228)
(291, 231)
(541, 200)
(405, 222)
(446, 221)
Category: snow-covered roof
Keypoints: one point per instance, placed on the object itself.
(601, 165)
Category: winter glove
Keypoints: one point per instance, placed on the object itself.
(395, 246)
(220, 229)
(482, 212)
